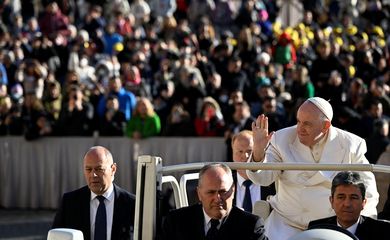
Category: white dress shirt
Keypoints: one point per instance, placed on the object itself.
(207, 222)
(351, 229)
(109, 203)
(240, 192)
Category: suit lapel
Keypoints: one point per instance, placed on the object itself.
(86, 202)
(198, 220)
(225, 231)
(333, 220)
(361, 227)
(234, 173)
(225, 225)
(116, 215)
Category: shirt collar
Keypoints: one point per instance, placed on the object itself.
(352, 229)
(207, 219)
(108, 194)
(243, 121)
(240, 180)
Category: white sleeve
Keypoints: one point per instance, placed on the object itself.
(267, 177)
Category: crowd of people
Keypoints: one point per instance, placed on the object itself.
(190, 68)
(143, 68)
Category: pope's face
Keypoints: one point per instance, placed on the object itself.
(310, 126)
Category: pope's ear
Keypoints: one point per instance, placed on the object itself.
(327, 125)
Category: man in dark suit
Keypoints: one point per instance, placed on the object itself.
(385, 214)
(215, 217)
(242, 145)
(100, 202)
(348, 200)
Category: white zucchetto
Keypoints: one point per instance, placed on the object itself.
(323, 105)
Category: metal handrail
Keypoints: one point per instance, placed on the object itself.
(282, 166)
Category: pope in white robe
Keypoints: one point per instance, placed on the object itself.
(303, 196)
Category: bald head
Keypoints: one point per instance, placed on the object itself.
(99, 152)
(216, 190)
(242, 146)
(99, 169)
(216, 170)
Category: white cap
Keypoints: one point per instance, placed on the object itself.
(323, 105)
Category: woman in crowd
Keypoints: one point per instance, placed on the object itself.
(210, 122)
(144, 122)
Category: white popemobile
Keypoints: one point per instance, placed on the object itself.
(151, 175)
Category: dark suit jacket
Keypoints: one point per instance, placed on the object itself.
(368, 228)
(188, 223)
(74, 213)
(264, 190)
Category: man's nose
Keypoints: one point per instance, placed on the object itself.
(218, 196)
(347, 202)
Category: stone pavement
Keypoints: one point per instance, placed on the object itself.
(17, 224)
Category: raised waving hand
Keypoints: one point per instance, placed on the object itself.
(261, 137)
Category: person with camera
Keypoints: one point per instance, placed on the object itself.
(113, 122)
(76, 115)
(210, 122)
(127, 99)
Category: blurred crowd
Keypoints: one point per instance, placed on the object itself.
(142, 68)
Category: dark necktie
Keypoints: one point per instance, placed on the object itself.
(101, 220)
(213, 231)
(247, 203)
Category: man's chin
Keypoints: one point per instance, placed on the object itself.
(96, 189)
(95, 185)
(219, 213)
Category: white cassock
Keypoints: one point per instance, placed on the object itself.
(303, 196)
